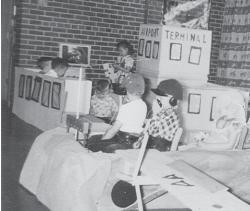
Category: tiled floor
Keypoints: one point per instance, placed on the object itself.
(17, 138)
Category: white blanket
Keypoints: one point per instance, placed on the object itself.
(63, 175)
(66, 177)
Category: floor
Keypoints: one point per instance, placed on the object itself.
(17, 138)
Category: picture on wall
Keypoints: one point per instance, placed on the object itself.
(194, 103)
(212, 108)
(28, 87)
(21, 85)
(194, 55)
(141, 47)
(148, 49)
(156, 46)
(46, 93)
(175, 51)
(56, 96)
(78, 55)
(36, 89)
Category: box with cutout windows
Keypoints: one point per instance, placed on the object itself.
(42, 101)
(173, 52)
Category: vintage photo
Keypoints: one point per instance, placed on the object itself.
(128, 105)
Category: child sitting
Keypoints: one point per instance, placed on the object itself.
(58, 68)
(128, 125)
(165, 121)
(44, 63)
(102, 104)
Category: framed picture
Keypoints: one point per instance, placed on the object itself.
(175, 51)
(194, 103)
(56, 96)
(78, 55)
(46, 93)
(212, 109)
(148, 49)
(28, 87)
(156, 46)
(21, 85)
(194, 55)
(36, 89)
(141, 47)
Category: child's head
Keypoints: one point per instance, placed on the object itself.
(44, 63)
(124, 48)
(60, 66)
(102, 86)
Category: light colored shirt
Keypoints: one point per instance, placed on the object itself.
(132, 116)
(52, 73)
(103, 106)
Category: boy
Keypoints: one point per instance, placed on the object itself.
(128, 125)
(165, 120)
(102, 104)
(58, 68)
(44, 63)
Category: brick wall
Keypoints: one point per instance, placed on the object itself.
(101, 24)
(215, 24)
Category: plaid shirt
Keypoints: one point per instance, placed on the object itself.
(103, 106)
(164, 124)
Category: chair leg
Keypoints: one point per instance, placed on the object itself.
(139, 197)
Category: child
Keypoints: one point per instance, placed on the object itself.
(44, 63)
(102, 104)
(165, 120)
(129, 122)
(126, 63)
(58, 68)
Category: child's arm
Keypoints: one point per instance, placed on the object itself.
(110, 133)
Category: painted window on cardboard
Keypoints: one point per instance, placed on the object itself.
(28, 87)
(148, 49)
(56, 96)
(36, 89)
(21, 85)
(141, 47)
(46, 93)
(194, 103)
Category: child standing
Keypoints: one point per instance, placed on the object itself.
(102, 104)
(58, 68)
(125, 65)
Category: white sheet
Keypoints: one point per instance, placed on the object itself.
(64, 176)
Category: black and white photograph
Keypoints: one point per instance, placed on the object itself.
(125, 105)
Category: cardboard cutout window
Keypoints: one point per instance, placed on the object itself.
(194, 103)
(56, 95)
(194, 55)
(141, 47)
(155, 49)
(148, 49)
(37, 89)
(46, 93)
(212, 108)
(21, 85)
(28, 87)
(175, 51)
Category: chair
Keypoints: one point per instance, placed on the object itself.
(137, 182)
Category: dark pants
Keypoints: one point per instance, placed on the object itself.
(121, 140)
(159, 144)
